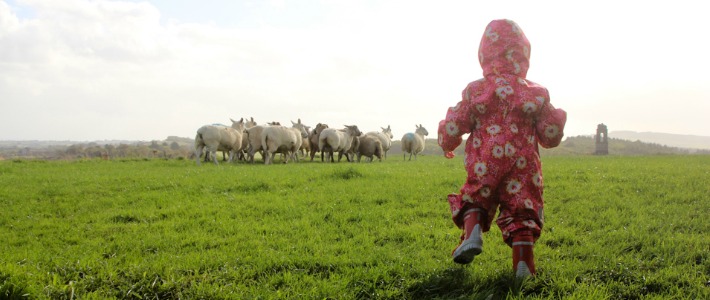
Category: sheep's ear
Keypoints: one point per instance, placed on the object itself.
(232, 120)
(293, 123)
(388, 126)
(241, 120)
(299, 120)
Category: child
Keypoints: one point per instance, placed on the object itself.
(506, 116)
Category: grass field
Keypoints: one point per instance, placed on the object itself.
(616, 228)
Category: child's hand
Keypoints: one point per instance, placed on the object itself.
(449, 154)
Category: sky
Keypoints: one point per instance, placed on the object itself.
(84, 70)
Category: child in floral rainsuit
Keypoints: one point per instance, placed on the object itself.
(506, 116)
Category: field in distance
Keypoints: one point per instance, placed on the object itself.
(616, 227)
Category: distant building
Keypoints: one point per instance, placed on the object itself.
(602, 140)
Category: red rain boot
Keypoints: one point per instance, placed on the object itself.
(472, 243)
(523, 258)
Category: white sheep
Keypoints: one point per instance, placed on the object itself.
(242, 154)
(385, 137)
(254, 137)
(216, 137)
(334, 140)
(282, 140)
(413, 143)
(305, 145)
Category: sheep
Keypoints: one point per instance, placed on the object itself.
(305, 146)
(207, 153)
(414, 142)
(254, 137)
(369, 145)
(242, 154)
(352, 151)
(283, 140)
(332, 140)
(385, 137)
(313, 140)
(219, 138)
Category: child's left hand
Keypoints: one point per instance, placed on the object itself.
(449, 154)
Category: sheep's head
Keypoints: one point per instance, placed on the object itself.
(388, 131)
(354, 131)
(302, 128)
(238, 125)
(250, 123)
(320, 127)
(421, 130)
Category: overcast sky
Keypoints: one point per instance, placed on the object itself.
(143, 70)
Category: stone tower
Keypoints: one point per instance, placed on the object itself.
(602, 140)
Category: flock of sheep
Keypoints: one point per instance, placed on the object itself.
(245, 138)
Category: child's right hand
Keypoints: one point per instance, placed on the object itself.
(449, 154)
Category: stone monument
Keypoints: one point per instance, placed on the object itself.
(602, 140)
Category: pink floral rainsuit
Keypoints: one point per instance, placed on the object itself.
(507, 116)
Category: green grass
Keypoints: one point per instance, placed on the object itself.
(616, 228)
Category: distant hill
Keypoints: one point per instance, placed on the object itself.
(585, 145)
(620, 143)
(668, 139)
(579, 145)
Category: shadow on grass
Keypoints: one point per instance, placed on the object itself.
(459, 283)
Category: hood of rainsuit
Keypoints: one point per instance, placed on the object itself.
(504, 49)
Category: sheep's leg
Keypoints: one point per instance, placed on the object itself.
(198, 154)
(214, 157)
(232, 154)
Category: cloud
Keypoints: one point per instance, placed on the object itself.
(80, 69)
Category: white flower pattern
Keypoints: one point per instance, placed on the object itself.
(452, 129)
(513, 128)
(485, 192)
(481, 108)
(498, 151)
(529, 107)
(513, 186)
(528, 203)
(521, 162)
(509, 150)
(480, 168)
(493, 129)
(552, 131)
(537, 179)
(476, 142)
(504, 91)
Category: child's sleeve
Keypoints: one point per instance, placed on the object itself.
(457, 123)
(550, 125)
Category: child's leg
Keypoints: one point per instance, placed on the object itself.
(523, 257)
(472, 243)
